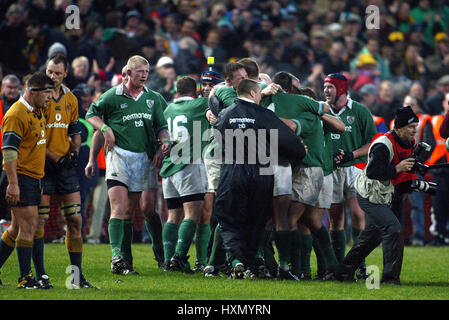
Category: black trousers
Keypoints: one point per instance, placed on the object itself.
(243, 206)
(441, 201)
(382, 226)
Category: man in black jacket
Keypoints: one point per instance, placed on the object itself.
(244, 195)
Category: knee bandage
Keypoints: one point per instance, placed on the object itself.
(44, 211)
(71, 209)
(9, 239)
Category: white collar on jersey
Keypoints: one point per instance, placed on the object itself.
(121, 91)
(348, 104)
(27, 105)
(181, 99)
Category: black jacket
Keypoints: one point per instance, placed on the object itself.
(247, 116)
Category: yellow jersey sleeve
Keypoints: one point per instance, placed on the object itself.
(24, 131)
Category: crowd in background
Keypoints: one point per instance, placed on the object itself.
(407, 55)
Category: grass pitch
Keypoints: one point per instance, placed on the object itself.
(424, 276)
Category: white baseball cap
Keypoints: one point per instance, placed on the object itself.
(163, 61)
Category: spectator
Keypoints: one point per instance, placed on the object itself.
(317, 44)
(352, 24)
(369, 95)
(87, 12)
(433, 104)
(149, 51)
(416, 37)
(299, 61)
(81, 74)
(424, 14)
(132, 20)
(372, 47)
(217, 12)
(115, 38)
(172, 27)
(366, 71)
(397, 40)
(387, 101)
(187, 61)
(163, 80)
(40, 38)
(10, 92)
(263, 32)
(334, 62)
(93, 47)
(398, 77)
(415, 67)
(212, 48)
(12, 36)
(129, 5)
(417, 90)
(188, 29)
(438, 63)
(145, 29)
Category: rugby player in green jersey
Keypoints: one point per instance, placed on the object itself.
(131, 118)
(183, 175)
(205, 230)
(312, 217)
(147, 201)
(350, 153)
(307, 115)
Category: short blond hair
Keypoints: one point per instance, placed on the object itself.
(135, 60)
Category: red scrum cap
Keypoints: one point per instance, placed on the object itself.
(340, 82)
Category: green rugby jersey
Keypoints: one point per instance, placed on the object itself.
(312, 134)
(135, 122)
(306, 113)
(328, 161)
(291, 106)
(360, 129)
(228, 94)
(186, 123)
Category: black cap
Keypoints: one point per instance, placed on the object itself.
(404, 116)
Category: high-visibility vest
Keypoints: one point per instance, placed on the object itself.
(440, 147)
(101, 160)
(378, 120)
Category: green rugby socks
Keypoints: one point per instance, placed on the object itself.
(170, 237)
(115, 229)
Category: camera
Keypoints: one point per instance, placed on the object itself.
(421, 152)
(428, 187)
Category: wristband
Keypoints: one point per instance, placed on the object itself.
(166, 141)
(104, 128)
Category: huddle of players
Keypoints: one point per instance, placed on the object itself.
(299, 199)
(335, 133)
